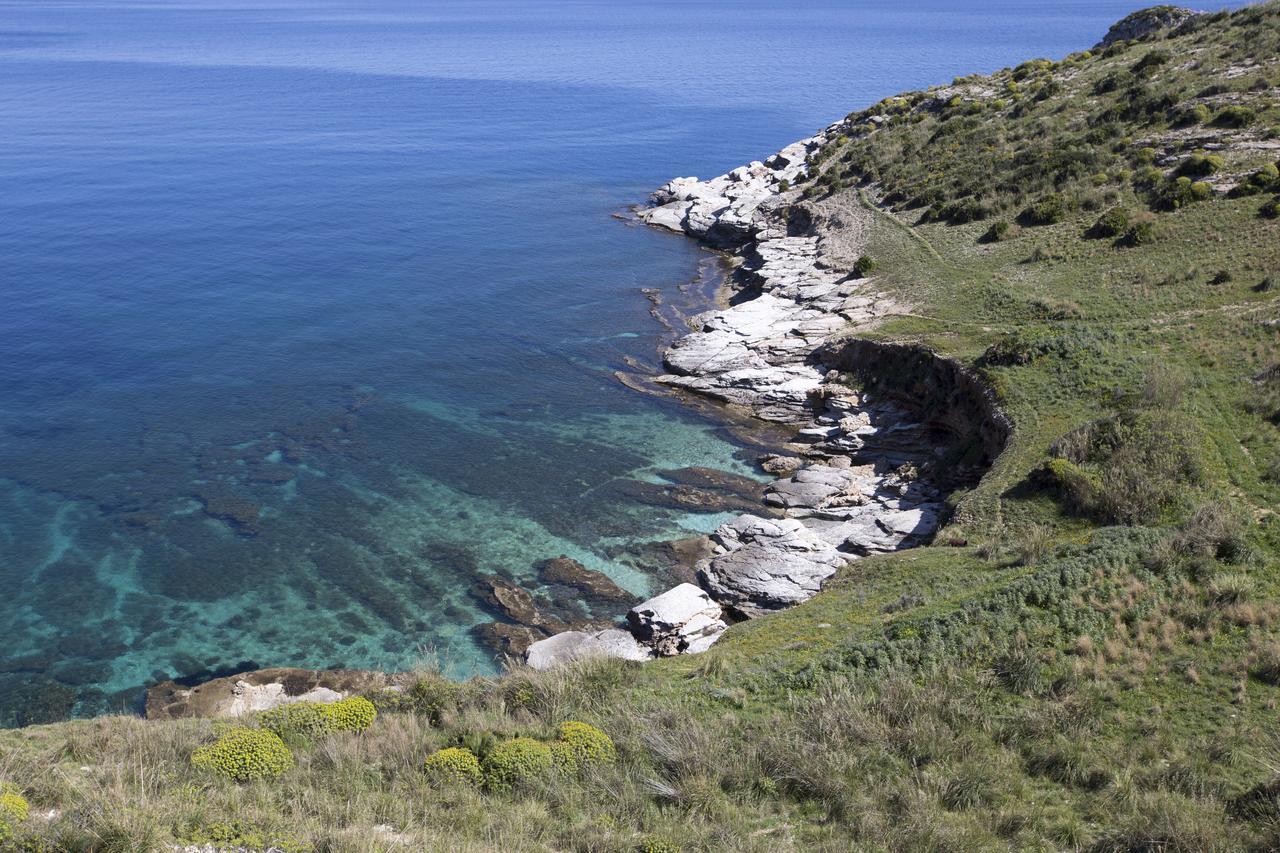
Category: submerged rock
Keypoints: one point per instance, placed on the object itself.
(513, 602)
(591, 584)
(508, 639)
(682, 620)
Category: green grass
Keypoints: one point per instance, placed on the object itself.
(1053, 683)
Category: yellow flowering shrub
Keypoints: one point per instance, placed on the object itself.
(299, 718)
(453, 766)
(245, 754)
(353, 714)
(515, 760)
(14, 809)
(582, 744)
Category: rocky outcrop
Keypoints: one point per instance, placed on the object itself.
(767, 564)
(1144, 22)
(877, 445)
(261, 690)
(682, 620)
(722, 211)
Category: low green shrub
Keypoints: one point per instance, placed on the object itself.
(236, 834)
(353, 714)
(516, 760)
(311, 719)
(453, 765)
(1198, 114)
(1265, 179)
(1000, 231)
(299, 719)
(582, 744)
(1132, 468)
(1235, 116)
(1141, 233)
(1150, 62)
(245, 754)
(1180, 192)
(1046, 211)
(434, 695)
(864, 265)
(1113, 223)
(1200, 165)
(1271, 209)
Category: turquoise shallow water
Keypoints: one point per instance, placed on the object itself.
(311, 309)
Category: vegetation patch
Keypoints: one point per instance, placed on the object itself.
(453, 766)
(244, 755)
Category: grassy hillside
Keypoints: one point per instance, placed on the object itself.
(1087, 658)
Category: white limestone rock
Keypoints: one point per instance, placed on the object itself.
(579, 645)
(767, 564)
(682, 620)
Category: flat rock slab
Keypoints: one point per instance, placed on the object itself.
(767, 564)
(261, 690)
(582, 645)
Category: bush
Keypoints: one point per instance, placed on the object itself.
(353, 714)
(1046, 211)
(1265, 179)
(1235, 116)
(1198, 114)
(1200, 165)
(245, 754)
(1140, 233)
(1271, 209)
(580, 745)
(1150, 62)
(453, 766)
(1131, 468)
(516, 760)
(1000, 231)
(1112, 223)
(1180, 192)
(231, 835)
(300, 719)
(434, 696)
(864, 265)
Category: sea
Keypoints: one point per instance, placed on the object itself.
(311, 311)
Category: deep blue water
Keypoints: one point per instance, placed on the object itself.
(350, 272)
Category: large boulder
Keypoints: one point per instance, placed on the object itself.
(682, 620)
(580, 645)
(767, 564)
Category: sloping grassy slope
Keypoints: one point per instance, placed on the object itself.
(1096, 667)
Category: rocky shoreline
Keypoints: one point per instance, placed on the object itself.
(857, 478)
(866, 470)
